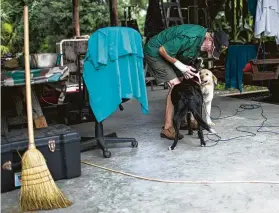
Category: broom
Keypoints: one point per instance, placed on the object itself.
(38, 190)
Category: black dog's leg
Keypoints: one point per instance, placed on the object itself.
(190, 130)
(179, 113)
(177, 117)
(200, 132)
(176, 125)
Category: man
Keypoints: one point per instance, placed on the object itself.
(165, 51)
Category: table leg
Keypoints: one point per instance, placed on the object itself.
(38, 116)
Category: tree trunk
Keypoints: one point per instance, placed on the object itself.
(113, 12)
(76, 18)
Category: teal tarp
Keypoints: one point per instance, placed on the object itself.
(113, 70)
(237, 57)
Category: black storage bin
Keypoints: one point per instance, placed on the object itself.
(59, 144)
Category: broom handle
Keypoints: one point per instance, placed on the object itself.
(28, 80)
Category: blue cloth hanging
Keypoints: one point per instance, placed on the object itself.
(237, 57)
(113, 70)
(252, 7)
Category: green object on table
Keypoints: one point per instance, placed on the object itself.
(38, 76)
(58, 60)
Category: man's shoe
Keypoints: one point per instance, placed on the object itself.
(170, 134)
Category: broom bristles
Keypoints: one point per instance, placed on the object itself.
(38, 189)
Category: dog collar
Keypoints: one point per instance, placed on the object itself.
(205, 84)
(196, 81)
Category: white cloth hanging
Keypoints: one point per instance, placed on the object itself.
(267, 19)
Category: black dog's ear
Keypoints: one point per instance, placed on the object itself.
(201, 62)
(195, 63)
(198, 63)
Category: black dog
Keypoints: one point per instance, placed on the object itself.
(187, 97)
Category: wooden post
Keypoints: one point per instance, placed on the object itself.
(76, 18)
(196, 12)
(113, 12)
(37, 112)
(234, 27)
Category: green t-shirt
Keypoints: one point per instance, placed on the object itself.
(182, 41)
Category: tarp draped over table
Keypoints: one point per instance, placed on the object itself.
(113, 70)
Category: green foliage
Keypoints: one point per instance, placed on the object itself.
(50, 21)
(6, 31)
(142, 4)
(6, 28)
(11, 16)
(138, 12)
(235, 20)
(57, 16)
(221, 22)
(221, 86)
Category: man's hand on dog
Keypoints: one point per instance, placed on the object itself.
(190, 74)
(187, 70)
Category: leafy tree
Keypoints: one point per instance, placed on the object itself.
(11, 27)
(50, 21)
(54, 21)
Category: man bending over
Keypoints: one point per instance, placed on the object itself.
(165, 51)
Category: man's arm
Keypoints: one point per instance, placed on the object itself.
(187, 70)
(165, 55)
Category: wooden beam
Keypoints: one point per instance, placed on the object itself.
(76, 17)
(113, 12)
(196, 12)
(37, 112)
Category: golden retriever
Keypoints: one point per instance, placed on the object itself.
(207, 87)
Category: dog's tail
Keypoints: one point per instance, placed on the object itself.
(200, 121)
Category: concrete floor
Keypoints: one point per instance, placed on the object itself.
(250, 158)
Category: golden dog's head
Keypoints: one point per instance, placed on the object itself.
(207, 77)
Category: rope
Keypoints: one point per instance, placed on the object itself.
(179, 181)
